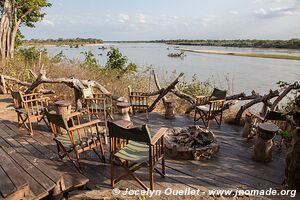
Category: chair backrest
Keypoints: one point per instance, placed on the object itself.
(56, 119)
(17, 97)
(219, 94)
(216, 105)
(137, 98)
(139, 134)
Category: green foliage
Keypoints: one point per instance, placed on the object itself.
(30, 11)
(290, 103)
(19, 38)
(60, 41)
(116, 61)
(59, 57)
(290, 44)
(196, 87)
(287, 135)
(90, 60)
(32, 55)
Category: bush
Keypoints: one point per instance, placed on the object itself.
(116, 61)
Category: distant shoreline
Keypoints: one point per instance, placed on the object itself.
(258, 55)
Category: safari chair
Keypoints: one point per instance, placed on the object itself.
(139, 149)
(277, 118)
(29, 107)
(71, 135)
(108, 102)
(210, 107)
(95, 107)
(138, 101)
(108, 108)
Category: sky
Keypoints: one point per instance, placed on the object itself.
(169, 19)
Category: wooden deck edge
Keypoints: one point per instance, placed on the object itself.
(22, 193)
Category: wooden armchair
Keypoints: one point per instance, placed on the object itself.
(71, 135)
(108, 102)
(138, 101)
(210, 107)
(95, 107)
(277, 118)
(29, 107)
(139, 149)
(108, 108)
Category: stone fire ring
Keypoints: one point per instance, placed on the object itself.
(190, 143)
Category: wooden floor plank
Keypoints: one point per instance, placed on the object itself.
(71, 178)
(35, 187)
(6, 185)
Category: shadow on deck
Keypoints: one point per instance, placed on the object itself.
(37, 161)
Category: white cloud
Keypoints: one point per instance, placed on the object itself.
(123, 18)
(47, 22)
(276, 12)
(142, 19)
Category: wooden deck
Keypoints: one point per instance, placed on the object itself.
(30, 166)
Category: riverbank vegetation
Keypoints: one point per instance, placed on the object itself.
(282, 44)
(72, 42)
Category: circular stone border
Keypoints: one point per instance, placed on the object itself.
(181, 152)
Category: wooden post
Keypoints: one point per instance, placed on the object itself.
(4, 91)
(264, 143)
(169, 109)
(247, 126)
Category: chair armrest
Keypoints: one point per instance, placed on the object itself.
(37, 99)
(159, 134)
(217, 101)
(201, 100)
(31, 94)
(84, 125)
(256, 115)
(73, 114)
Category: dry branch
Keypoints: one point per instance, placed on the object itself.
(264, 98)
(164, 92)
(294, 86)
(76, 84)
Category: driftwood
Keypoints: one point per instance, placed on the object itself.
(158, 85)
(264, 98)
(284, 93)
(164, 92)
(74, 83)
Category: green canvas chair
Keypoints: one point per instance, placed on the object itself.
(210, 107)
(71, 135)
(29, 107)
(133, 148)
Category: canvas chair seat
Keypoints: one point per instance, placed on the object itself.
(31, 110)
(138, 104)
(204, 108)
(64, 139)
(135, 152)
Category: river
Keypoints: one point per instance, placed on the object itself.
(242, 74)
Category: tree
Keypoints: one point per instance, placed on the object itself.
(116, 61)
(15, 13)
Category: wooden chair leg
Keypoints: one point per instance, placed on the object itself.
(30, 126)
(112, 173)
(151, 177)
(78, 163)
